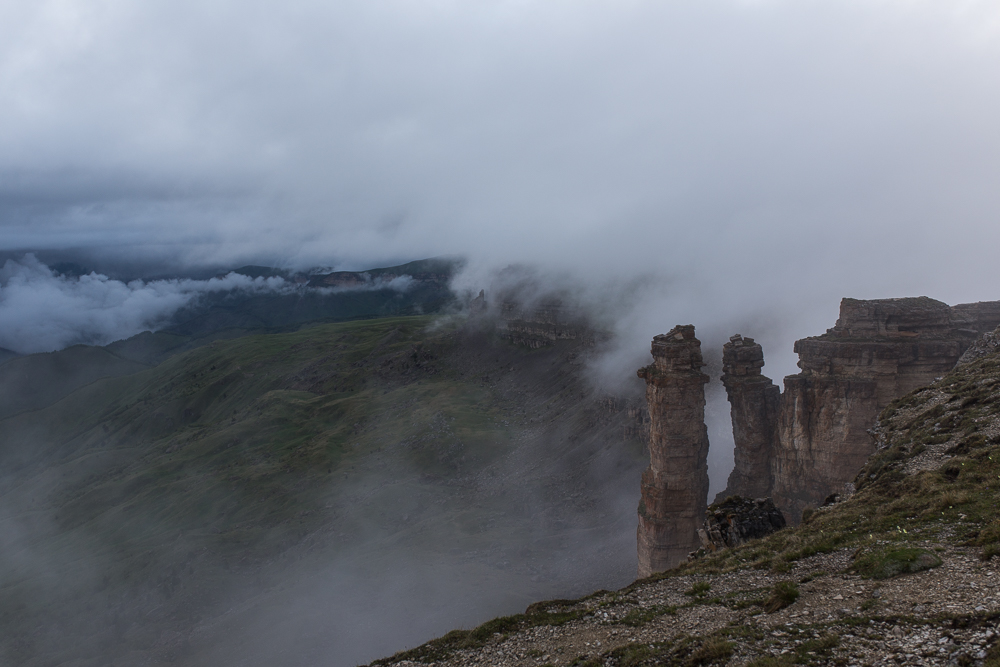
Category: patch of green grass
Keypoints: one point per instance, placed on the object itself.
(643, 615)
(993, 656)
(684, 651)
(784, 594)
(699, 589)
(820, 647)
(772, 661)
(441, 648)
(812, 575)
(888, 563)
(712, 651)
(634, 655)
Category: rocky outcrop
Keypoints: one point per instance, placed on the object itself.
(878, 351)
(754, 401)
(737, 520)
(675, 486)
(988, 343)
(804, 444)
(541, 323)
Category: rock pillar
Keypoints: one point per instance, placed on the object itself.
(675, 486)
(755, 402)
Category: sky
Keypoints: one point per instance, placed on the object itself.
(742, 164)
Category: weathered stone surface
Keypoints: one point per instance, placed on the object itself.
(988, 343)
(805, 444)
(754, 401)
(675, 486)
(879, 350)
(737, 520)
(635, 412)
(541, 323)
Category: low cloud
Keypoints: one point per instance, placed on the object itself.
(42, 311)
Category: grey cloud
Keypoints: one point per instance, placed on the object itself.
(621, 133)
(41, 311)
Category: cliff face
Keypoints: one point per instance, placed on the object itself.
(755, 401)
(878, 351)
(675, 486)
(540, 324)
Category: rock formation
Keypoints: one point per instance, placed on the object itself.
(754, 403)
(540, 323)
(737, 520)
(675, 486)
(988, 343)
(804, 444)
(878, 351)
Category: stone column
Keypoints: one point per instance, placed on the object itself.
(755, 402)
(675, 486)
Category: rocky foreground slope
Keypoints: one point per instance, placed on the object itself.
(902, 572)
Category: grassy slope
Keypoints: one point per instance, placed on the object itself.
(931, 491)
(150, 500)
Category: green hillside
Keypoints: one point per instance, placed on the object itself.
(34, 381)
(159, 514)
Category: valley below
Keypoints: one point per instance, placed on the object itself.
(321, 496)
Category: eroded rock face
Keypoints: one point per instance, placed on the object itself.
(802, 445)
(737, 520)
(675, 486)
(988, 343)
(754, 401)
(541, 323)
(878, 351)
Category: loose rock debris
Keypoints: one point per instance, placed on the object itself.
(949, 615)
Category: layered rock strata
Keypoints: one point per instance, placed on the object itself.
(541, 323)
(804, 444)
(737, 520)
(675, 485)
(878, 351)
(754, 402)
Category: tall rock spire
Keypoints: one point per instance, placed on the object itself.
(755, 402)
(675, 485)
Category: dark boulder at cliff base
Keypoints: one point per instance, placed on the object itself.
(737, 520)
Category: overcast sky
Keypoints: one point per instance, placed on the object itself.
(751, 161)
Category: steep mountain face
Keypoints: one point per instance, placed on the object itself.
(675, 485)
(878, 351)
(321, 496)
(903, 572)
